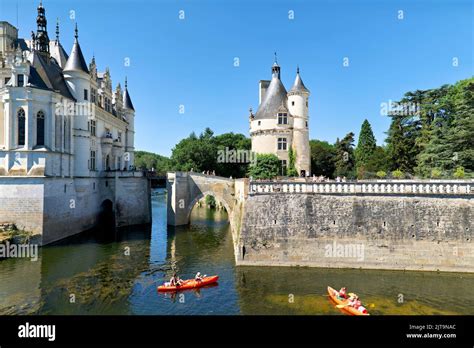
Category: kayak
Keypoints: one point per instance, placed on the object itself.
(333, 295)
(189, 284)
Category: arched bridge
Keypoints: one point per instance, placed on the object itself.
(186, 189)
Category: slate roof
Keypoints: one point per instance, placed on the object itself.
(46, 74)
(299, 86)
(76, 59)
(127, 102)
(275, 96)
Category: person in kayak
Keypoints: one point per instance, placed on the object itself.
(175, 280)
(358, 305)
(198, 277)
(342, 293)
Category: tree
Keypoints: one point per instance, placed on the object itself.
(401, 143)
(322, 158)
(267, 166)
(196, 153)
(233, 155)
(226, 154)
(366, 146)
(149, 160)
(344, 159)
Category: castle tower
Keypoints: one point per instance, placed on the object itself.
(77, 79)
(129, 112)
(298, 106)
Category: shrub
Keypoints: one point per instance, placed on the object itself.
(381, 174)
(398, 174)
(436, 173)
(459, 173)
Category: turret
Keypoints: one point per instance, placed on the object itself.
(77, 79)
(76, 72)
(298, 106)
(129, 114)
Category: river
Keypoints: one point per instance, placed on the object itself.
(91, 275)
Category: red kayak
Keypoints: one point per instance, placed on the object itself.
(190, 284)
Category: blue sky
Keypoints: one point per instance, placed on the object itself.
(190, 61)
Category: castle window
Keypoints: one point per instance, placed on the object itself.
(282, 118)
(292, 103)
(40, 128)
(21, 127)
(93, 127)
(119, 136)
(93, 95)
(259, 123)
(20, 80)
(306, 124)
(92, 161)
(7, 79)
(306, 102)
(86, 94)
(282, 144)
(107, 105)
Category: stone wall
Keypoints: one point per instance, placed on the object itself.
(354, 231)
(56, 208)
(22, 204)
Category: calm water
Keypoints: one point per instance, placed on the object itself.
(102, 279)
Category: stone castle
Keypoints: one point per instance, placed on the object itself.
(66, 139)
(281, 122)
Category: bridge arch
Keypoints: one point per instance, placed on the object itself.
(202, 195)
(186, 189)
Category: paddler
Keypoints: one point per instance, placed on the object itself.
(358, 305)
(342, 293)
(175, 281)
(198, 277)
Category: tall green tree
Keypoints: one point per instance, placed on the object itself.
(345, 159)
(322, 158)
(451, 141)
(365, 149)
(401, 143)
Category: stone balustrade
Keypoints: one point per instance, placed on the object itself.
(449, 187)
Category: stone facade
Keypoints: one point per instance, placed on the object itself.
(353, 231)
(55, 208)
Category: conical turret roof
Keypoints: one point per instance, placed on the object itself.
(127, 101)
(298, 86)
(76, 59)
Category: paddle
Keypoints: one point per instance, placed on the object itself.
(342, 305)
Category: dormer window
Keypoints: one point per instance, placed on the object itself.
(20, 80)
(282, 118)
